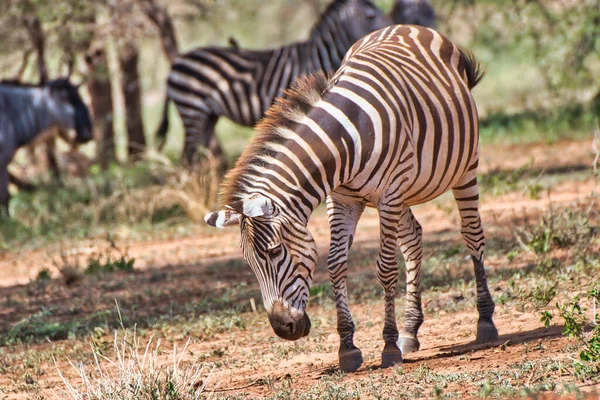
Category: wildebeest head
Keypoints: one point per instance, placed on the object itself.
(69, 109)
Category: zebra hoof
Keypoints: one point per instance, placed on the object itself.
(350, 359)
(391, 355)
(486, 332)
(408, 344)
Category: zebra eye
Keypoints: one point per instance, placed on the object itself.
(274, 252)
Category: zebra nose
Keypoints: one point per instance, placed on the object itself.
(291, 327)
(287, 325)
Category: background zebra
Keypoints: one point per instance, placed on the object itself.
(414, 12)
(394, 127)
(242, 84)
(26, 111)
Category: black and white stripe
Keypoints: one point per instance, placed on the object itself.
(210, 82)
(396, 126)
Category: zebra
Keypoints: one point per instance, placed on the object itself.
(240, 84)
(395, 126)
(27, 110)
(415, 12)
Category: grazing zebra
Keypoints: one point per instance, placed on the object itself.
(394, 127)
(415, 12)
(207, 83)
(26, 111)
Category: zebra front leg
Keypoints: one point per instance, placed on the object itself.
(387, 272)
(410, 236)
(343, 218)
(466, 194)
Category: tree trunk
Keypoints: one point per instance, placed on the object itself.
(102, 103)
(130, 85)
(596, 105)
(38, 39)
(161, 18)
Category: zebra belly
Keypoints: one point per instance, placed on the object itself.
(422, 190)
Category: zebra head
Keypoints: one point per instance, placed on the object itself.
(350, 19)
(69, 110)
(281, 252)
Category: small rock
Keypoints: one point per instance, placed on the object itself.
(457, 296)
(333, 338)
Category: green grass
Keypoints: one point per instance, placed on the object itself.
(143, 198)
(569, 122)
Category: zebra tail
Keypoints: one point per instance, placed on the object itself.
(161, 133)
(473, 68)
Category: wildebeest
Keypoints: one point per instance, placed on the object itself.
(28, 110)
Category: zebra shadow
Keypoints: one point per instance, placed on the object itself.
(509, 339)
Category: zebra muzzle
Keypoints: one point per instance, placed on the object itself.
(288, 325)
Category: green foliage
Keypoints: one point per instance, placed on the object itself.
(109, 264)
(142, 194)
(562, 38)
(501, 182)
(546, 318)
(561, 122)
(43, 275)
(560, 229)
(321, 290)
(576, 322)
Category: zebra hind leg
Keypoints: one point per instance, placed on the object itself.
(200, 134)
(411, 245)
(467, 198)
(387, 272)
(343, 218)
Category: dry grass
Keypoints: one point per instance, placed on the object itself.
(193, 189)
(134, 372)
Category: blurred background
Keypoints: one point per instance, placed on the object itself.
(543, 85)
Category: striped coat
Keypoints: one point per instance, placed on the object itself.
(210, 82)
(394, 127)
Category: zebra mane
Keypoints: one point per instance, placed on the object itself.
(283, 115)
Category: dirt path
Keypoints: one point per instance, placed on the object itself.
(204, 275)
(21, 267)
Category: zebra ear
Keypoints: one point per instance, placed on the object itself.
(223, 218)
(257, 205)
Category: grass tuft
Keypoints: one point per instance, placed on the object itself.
(134, 372)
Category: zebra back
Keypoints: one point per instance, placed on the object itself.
(242, 84)
(291, 115)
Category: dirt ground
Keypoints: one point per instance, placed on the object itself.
(204, 275)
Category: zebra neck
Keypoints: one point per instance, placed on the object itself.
(303, 172)
(331, 44)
